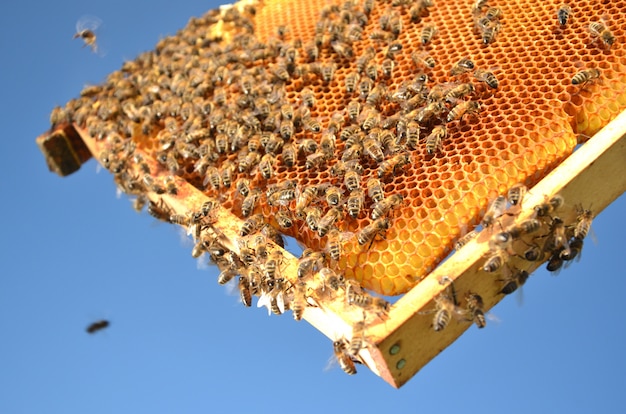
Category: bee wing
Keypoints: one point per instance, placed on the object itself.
(264, 300)
(88, 22)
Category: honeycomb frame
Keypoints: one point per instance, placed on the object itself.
(387, 352)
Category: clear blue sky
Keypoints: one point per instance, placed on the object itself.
(72, 252)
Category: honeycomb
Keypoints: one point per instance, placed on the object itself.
(286, 98)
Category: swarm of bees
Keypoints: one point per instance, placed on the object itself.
(241, 118)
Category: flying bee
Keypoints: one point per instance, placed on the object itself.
(516, 194)
(495, 210)
(352, 180)
(373, 148)
(283, 219)
(600, 31)
(369, 232)
(328, 220)
(587, 75)
(312, 217)
(514, 281)
(343, 357)
(487, 77)
(393, 165)
(583, 223)
(97, 326)
(462, 109)
(249, 203)
(428, 32)
(475, 307)
(549, 206)
(333, 195)
(462, 66)
(434, 141)
(563, 14)
(385, 206)
(86, 28)
(251, 224)
(355, 202)
(423, 59)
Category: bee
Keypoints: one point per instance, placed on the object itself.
(375, 190)
(308, 97)
(555, 262)
(495, 260)
(495, 210)
(373, 148)
(152, 185)
(312, 51)
(516, 194)
(343, 357)
(86, 28)
(384, 206)
(328, 144)
(368, 6)
(478, 6)
(395, 25)
(434, 141)
(328, 220)
(286, 111)
(289, 155)
(465, 239)
(212, 175)
(445, 309)
(486, 76)
(376, 95)
(428, 32)
(369, 232)
(342, 49)
(563, 14)
(371, 119)
(283, 219)
(600, 31)
(139, 203)
(430, 111)
(333, 245)
(549, 206)
(366, 301)
(312, 124)
(412, 134)
(286, 129)
(490, 30)
(244, 291)
(358, 338)
(475, 309)
(333, 195)
(394, 164)
(281, 196)
(423, 59)
(493, 13)
(354, 109)
(328, 72)
(266, 166)
(299, 299)
(172, 163)
(525, 227)
(312, 216)
(355, 203)
(97, 326)
(583, 223)
(309, 263)
(170, 185)
(251, 224)
(227, 275)
(315, 160)
(305, 198)
(243, 186)
(249, 203)
(352, 78)
(584, 76)
(365, 87)
(462, 66)
(334, 280)
(336, 121)
(462, 109)
(575, 247)
(352, 180)
(558, 240)
(159, 211)
(415, 12)
(392, 50)
(514, 281)
(363, 60)
(533, 253)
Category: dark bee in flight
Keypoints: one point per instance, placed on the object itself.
(97, 326)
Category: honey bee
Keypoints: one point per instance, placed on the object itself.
(489, 29)
(475, 309)
(487, 77)
(583, 223)
(555, 262)
(343, 49)
(478, 6)
(393, 165)
(516, 194)
(351, 81)
(362, 299)
(549, 206)
(495, 210)
(266, 166)
(312, 124)
(310, 262)
(376, 95)
(352, 180)
(159, 211)
(558, 240)
(462, 109)
(312, 217)
(249, 203)
(358, 338)
(495, 261)
(355, 202)
(430, 111)
(244, 291)
(514, 281)
(343, 357)
(354, 109)
(563, 14)
(328, 220)
(299, 299)
(226, 275)
(97, 326)
(289, 155)
(423, 59)
(315, 160)
(170, 185)
(308, 97)
(445, 309)
(384, 206)
(428, 32)
(365, 87)
(525, 227)
(328, 72)
(368, 6)
(392, 50)
(334, 244)
(369, 232)
(153, 185)
(575, 249)
(286, 129)
(212, 176)
(434, 141)
(304, 199)
(375, 190)
(584, 76)
(373, 148)
(86, 28)
(251, 224)
(600, 31)
(395, 25)
(312, 51)
(462, 66)
(387, 67)
(333, 195)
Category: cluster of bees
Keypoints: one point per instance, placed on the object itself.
(234, 116)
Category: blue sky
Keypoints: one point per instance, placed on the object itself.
(72, 253)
